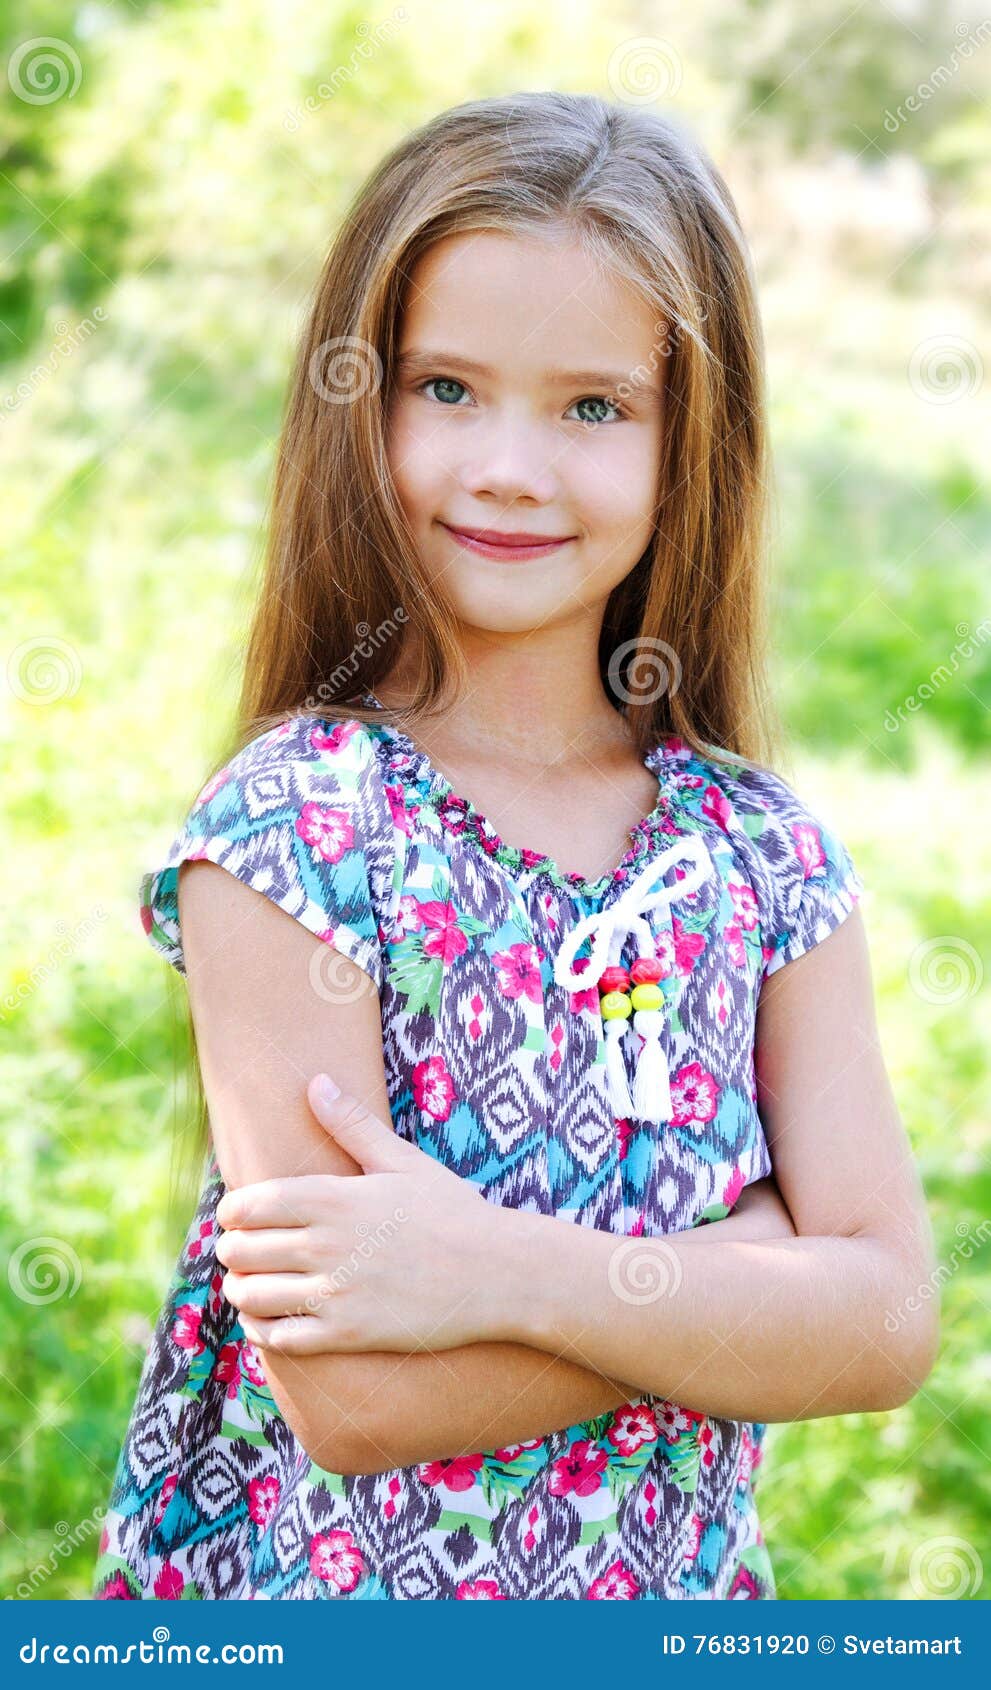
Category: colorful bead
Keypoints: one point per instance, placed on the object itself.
(646, 971)
(615, 1006)
(647, 996)
(614, 979)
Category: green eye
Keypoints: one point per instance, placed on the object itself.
(599, 401)
(443, 382)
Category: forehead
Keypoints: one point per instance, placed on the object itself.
(514, 298)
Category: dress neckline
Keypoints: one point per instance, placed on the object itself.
(463, 819)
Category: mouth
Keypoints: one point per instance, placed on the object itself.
(508, 547)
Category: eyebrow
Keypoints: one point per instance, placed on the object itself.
(605, 380)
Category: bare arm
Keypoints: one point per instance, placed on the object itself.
(272, 1006)
(828, 1322)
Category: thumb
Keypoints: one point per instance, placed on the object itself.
(363, 1135)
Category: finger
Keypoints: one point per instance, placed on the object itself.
(293, 1200)
(267, 1250)
(271, 1295)
(298, 1335)
(366, 1137)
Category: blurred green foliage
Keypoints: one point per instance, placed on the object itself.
(163, 218)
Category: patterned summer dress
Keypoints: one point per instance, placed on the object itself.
(501, 1073)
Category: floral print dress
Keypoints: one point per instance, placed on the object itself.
(500, 1072)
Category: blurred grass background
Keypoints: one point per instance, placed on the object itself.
(165, 202)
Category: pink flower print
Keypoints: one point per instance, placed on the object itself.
(453, 812)
(117, 1590)
(263, 1499)
(220, 779)
(408, 918)
(327, 832)
(532, 859)
(579, 1471)
(335, 1557)
(672, 1420)
(433, 1088)
(512, 1452)
(518, 972)
(717, 807)
(587, 997)
(624, 1132)
(632, 1426)
(165, 1497)
(401, 817)
(688, 947)
(444, 937)
(744, 902)
(617, 1584)
(481, 1590)
(336, 740)
(186, 1328)
(169, 1583)
(665, 951)
(227, 1369)
(251, 1365)
(733, 1187)
(694, 1097)
(693, 1543)
(808, 844)
(735, 947)
(104, 1540)
(459, 1474)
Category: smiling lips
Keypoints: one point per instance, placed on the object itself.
(507, 547)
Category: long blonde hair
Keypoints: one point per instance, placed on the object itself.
(342, 584)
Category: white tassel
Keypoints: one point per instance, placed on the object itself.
(619, 1091)
(652, 1084)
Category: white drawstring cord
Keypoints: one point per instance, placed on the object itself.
(608, 930)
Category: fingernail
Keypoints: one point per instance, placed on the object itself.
(326, 1089)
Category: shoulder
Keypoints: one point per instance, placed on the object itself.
(789, 847)
(299, 813)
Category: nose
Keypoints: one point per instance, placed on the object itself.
(511, 459)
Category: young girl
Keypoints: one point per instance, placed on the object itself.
(509, 1316)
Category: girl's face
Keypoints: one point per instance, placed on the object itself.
(527, 401)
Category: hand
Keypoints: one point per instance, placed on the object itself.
(391, 1259)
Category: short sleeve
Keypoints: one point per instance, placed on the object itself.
(803, 874)
(300, 814)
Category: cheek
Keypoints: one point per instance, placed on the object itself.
(414, 460)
